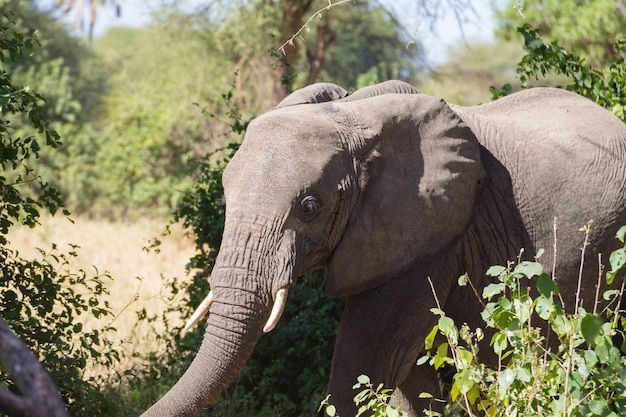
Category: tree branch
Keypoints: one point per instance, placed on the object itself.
(306, 24)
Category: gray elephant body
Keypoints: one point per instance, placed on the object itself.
(386, 188)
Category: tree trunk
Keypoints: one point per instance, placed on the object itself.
(39, 394)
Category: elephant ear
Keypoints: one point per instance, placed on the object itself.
(387, 87)
(420, 174)
(314, 93)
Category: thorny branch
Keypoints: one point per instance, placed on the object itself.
(308, 22)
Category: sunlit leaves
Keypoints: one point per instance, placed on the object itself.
(582, 375)
(604, 84)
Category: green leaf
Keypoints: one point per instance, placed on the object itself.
(499, 343)
(465, 356)
(529, 269)
(493, 289)
(546, 285)
(617, 260)
(331, 411)
(610, 277)
(437, 311)
(463, 279)
(463, 381)
(524, 374)
(621, 234)
(446, 325)
(590, 327)
(473, 394)
(496, 270)
(506, 378)
(544, 307)
(598, 407)
(430, 339)
(422, 360)
(441, 356)
(391, 412)
(363, 379)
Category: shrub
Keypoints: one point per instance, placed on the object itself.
(585, 374)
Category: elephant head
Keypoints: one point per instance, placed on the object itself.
(316, 182)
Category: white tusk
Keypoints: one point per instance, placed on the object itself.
(200, 312)
(279, 305)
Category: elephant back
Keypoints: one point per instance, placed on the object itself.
(562, 158)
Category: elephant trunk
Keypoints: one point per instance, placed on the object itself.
(242, 296)
(232, 332)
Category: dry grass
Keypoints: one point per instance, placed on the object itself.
(117, 248)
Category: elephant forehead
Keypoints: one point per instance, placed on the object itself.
(278, 159)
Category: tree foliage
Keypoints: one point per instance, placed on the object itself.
(41, 299)
(68, 75)
(589, 27)
(605, 85)
(19, 101)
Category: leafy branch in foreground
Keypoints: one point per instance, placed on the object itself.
(583, 376)
(370, 400)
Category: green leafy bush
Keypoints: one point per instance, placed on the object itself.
(372, 401)
(583, 376)
(47, 306)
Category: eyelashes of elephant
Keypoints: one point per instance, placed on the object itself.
(310, 206)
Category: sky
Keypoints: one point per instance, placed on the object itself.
(436, 40)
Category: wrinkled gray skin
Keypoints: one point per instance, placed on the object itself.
(386, 188)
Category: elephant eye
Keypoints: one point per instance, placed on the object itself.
(310, 204)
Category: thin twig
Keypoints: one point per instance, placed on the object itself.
(554, 228)
(598, 283)
(568, 370)
(432, 288)
(617, 315)
(587, 230)
(306, 24)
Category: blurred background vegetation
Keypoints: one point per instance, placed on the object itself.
(148, 116)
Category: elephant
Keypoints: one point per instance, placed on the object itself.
(386, 188)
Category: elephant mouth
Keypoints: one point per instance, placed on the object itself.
(280, 300)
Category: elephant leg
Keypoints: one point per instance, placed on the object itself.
(381, 334)
(421, 379)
